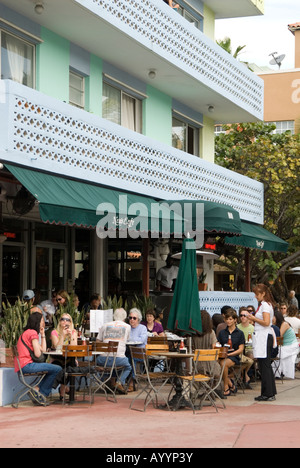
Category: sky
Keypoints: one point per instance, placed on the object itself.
(265, 34)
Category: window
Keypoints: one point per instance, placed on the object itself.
(121, 108)
(284, 126)
(185, 137)
(219, 130)
(17, 59)
(191, 15)
(76, 89)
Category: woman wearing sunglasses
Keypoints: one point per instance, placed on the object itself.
(65, 333)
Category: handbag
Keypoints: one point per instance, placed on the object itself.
(40, 359)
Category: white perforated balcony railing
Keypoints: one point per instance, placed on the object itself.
(166, 33)
(46, 134)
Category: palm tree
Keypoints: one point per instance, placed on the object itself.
(226, 45)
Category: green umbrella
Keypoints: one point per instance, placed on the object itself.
(185, 314)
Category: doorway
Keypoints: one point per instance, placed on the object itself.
(50, 269)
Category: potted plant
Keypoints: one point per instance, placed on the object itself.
(13, 321)
(202, 286)
(143, 303)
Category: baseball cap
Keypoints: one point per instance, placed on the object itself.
(28, 294)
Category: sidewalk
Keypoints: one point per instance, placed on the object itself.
(244, 423)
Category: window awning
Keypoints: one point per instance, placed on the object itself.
(256, 237)
(218, 218)
(69, 202)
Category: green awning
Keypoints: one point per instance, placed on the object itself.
(69, 202)
(218, 218)
(256, 237)
(72, 202)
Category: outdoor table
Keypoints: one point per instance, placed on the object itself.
(59, 353)
(178, 358)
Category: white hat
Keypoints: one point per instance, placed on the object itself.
(28, 294)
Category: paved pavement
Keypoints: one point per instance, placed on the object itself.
(244, 423)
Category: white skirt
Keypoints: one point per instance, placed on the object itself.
(287, 355)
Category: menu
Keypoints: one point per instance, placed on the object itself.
(99, 318)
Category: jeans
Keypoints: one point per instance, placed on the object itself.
(120, 362)
(51, 380)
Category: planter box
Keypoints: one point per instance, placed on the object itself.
(6, 357)
(9, 386)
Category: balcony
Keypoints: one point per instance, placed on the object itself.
(46, 134)
(138, 37)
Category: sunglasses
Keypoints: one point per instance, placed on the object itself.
(65, 320)
(243, 315)
(59, 298)
(132, 318)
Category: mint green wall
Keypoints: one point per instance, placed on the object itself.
(53, 58)
(157, 116)
(93, 87)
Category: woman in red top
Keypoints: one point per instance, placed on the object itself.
(34, 327)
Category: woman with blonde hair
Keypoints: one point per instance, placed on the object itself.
(64, 333)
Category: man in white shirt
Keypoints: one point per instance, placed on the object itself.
(118, 331)
(166, 276)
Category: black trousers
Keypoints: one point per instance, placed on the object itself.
(268, 387)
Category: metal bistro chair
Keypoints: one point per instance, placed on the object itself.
(150, 383)
(276, 360)
(155, 362)
(238, 373)
(29, 386)
(105, 372)
(74, 369)
(202, 382)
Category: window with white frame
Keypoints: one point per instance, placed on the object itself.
(121, 108)
(185, 137)
(76, 89)
(284, 126)
(219, 130)
(17, 59)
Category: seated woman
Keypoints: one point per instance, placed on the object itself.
(289, 351)
(34, 327)
(153, 328)
(65, 333)
(207, 340)
(62, 298)
(237, 347)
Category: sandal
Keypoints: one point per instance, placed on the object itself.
(232, 387)
(227, 392)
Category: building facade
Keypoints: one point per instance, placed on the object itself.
(111, 96)
(282, 92)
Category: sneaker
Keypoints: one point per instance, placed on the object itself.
(37, 398)
(264, 398)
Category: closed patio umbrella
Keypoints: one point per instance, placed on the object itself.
(185, 315)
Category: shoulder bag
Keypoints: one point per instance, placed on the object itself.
(39, 359)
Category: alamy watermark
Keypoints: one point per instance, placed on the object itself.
(139, 220)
